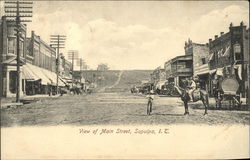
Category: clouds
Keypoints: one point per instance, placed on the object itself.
(127, 47)
(218, 21)
(135, 44)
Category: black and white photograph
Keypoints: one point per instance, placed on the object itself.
(124, 79)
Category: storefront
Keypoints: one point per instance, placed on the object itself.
(40, 81)
(9, 78)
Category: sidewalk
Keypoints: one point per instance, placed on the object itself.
(11, 101)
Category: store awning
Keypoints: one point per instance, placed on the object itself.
(34, 73)
(31, 71)
(67, 79)
(29, 75)
(63, 80)
(52, 77)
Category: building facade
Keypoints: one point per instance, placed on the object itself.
(229, 56)
(8, 52)
(40, 54)
(65, 69)
(181, 68)
(200, 54)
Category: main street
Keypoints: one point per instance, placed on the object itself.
(114, 109)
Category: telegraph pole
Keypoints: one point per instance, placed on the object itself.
(72, 55)
(81, 63)
(57, 41)
(14, 11)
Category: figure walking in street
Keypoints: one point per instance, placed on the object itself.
(150, 98)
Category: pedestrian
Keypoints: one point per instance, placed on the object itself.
(150, 98)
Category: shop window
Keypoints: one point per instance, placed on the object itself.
(12, 81)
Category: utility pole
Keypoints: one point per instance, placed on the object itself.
(80, 63)
(72, 55)
(14, 11)
(80, 70)
(57, 41)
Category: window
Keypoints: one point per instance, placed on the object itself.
(189, 64)
(11, 45)
(237, 52)
(203, 60)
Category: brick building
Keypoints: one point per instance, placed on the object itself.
(37, 66)
(40, 54)
(8, 64)
(229, 56)
(40, 69)
(200, 54)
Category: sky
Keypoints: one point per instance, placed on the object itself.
(134, 34)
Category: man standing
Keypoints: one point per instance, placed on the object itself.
(150, 98)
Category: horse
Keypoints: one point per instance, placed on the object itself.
(203, 96)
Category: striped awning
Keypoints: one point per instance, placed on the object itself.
(32, 72)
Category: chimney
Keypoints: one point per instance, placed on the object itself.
(210, 40)
(216, 36)
(231, 24)
(221, 33)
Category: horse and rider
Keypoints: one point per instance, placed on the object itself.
(192, 92)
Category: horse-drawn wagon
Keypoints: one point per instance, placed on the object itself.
(228, 90)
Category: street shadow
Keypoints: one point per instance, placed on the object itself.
(223, 107)
(168, 114)
(142, 115)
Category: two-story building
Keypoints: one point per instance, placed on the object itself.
(8, 52)
(229, 55)
(65, 69)
(200, 54)
(40, 69)
(40, 54)
(181, 68)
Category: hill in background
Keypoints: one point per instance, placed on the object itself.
(117, 80)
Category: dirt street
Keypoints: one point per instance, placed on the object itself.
(115, 109)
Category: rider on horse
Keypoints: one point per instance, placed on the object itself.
(191, 87)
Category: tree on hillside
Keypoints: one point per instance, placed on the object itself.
(102, 67)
